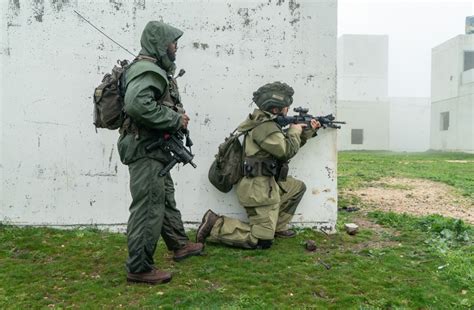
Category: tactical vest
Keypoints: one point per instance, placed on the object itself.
(258, 162)
(170, 97)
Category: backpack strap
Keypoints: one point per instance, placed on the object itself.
(140, 67)
(144, 57)
(265, 129)
(245, 133)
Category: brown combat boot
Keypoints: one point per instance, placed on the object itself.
(208, 221)
(285, 234)
(153, 276)
(189, 249)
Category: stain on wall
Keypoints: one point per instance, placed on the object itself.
(58, 5)
(116, 4)
(38, 10)
(14, 5)
(139, 4)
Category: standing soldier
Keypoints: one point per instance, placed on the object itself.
(269, 196)
(153, 108)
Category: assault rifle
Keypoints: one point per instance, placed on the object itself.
(173, 143)
(304, 118)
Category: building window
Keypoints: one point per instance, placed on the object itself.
(444, 121)
(357, 136)
(468, 60)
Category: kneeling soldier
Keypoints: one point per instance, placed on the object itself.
(269, 196)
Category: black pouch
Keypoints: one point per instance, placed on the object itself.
(283, 173)
(251, 167)
(269, 168)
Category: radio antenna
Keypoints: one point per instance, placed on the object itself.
(103, 33)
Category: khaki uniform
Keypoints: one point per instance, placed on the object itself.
(270, 205)
(153, 107)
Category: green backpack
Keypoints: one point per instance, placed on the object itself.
(108, 98)
(227, 169)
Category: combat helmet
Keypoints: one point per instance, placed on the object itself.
(273, 95)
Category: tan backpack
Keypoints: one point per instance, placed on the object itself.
(226, 169)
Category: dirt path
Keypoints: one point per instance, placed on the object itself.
(416, 196)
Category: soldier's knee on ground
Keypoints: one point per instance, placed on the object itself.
(264, 244)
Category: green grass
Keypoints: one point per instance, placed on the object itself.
(356, 169)
(395, 262)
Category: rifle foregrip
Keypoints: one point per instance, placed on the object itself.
(153, 146)
(168, 167)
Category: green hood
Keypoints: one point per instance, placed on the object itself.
(155, 40)
(156, 37)
(257, 117)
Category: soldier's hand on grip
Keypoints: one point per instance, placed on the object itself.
(184, 120)
(315, 124)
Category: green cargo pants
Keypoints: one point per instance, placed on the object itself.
(264, 221)
(152, 213)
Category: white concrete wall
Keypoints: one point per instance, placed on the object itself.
(410, 124)
(399, 125)
(372, 117)
(452, 91)
(446, 66)
(460, 134)
(362, 67)
(57, 170)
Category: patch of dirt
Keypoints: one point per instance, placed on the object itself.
(417, 197)
(379, 241)
(379, 244)
(364, 222)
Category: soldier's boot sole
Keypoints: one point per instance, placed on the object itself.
(135, 281)
(193, 253)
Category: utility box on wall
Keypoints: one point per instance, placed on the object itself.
(55, 168)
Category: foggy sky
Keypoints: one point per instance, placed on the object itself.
(414, 28)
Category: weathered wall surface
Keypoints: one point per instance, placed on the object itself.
(57, 170)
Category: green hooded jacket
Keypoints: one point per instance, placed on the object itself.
(146, 82)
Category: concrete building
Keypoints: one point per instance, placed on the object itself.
(368, 125)
(56, 170)
(409, 124)
(375, 121)
(362, 67)
(452, 95)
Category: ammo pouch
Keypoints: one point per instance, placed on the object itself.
(254, 167)
(283, 172)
